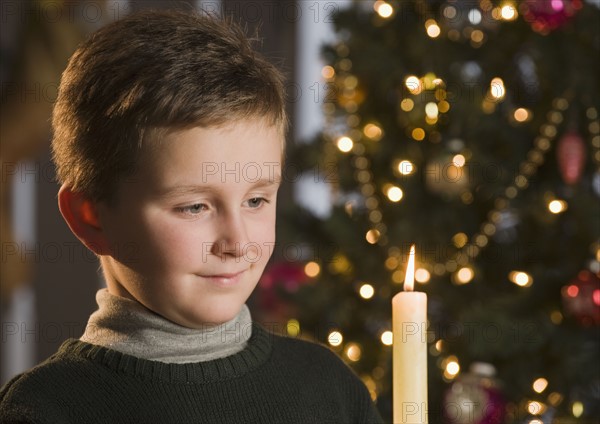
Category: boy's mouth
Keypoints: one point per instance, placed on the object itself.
(225, 279)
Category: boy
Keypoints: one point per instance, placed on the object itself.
(168, 141)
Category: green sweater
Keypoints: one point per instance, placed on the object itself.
(273, 380)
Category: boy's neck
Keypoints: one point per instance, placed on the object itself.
(127, 326)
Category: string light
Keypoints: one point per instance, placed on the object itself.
(454, 34)
(383, 9)
(488, 229)
(508, 12)
(497, 90)
(428, 80)
(451, 367)
(577, 409)
(474, 16)
(459, 161)
(556, 317)
(340, 264)
(293, 328)
(521, 181)
(394, 193)
(363, 176)
(463, 275)
(375, 216)
(432, 28)
(413, 84)
(477, 37)
(540, 384)
(459, 239)
(366, 291)
(521, 115)
(398, 276)
(350, 82)
(328, 72)
(520, 278)
(372, 236)
(555, 399)
(443, 106)
(367, 189)
(353, 352)
(312, 269)
(511, 192)
(387, 338)
(431, 110)
(407, 105)
(557, 206)
(535, 408)
(373, 131)
(422, 275)
(452, 266)
(406, 167)
(433, 351)
(555, 117)
(449, 12)
(486, 5)
(345, 144)
(549, 130)
(335, 338)
(391, 262)
(439, 269)
(418, 134)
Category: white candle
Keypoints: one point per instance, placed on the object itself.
(409, 321)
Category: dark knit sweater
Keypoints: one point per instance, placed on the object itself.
(273, 380)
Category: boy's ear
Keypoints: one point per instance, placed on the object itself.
(81, 216)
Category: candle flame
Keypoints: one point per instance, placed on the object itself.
(409, 276)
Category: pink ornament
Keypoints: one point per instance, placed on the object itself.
(570, 154)
(581, 298)
(475, 397)
(547, 15)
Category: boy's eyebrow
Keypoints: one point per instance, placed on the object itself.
(198, 189)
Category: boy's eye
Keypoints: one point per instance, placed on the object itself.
(194, 209)
(256, 202)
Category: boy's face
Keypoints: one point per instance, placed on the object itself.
(193, 229)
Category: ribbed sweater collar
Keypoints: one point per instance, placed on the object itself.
(128, 327)
(257, 352)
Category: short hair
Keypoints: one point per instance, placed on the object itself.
(149, 71)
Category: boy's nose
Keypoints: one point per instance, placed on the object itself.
(232, 237)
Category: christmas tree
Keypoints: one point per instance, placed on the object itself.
(469, 128)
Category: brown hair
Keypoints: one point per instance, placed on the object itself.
(150, 70)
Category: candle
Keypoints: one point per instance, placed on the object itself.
(409, 321)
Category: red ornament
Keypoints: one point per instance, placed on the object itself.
(581, 298)
(570, 154)
(547, 15)
(279, 280)
(290, 276)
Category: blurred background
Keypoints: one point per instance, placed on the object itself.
(467, 127)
